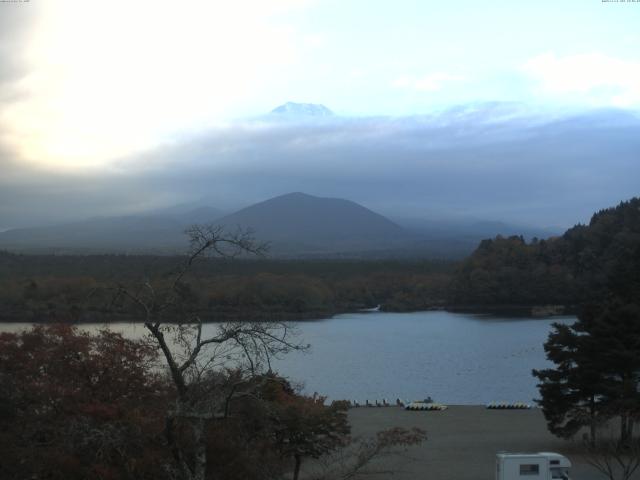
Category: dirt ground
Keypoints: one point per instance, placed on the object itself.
(463, 441)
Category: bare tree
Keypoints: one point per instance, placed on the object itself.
(611, 457)
(196, 357)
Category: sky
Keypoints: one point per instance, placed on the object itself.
(94, 95)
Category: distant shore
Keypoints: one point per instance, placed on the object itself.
(525, 311)
(463, 440)
(539, 311)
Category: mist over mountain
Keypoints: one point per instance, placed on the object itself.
(294, 225)
(500, 162)
(187, 212)
(466, 233)
(157, 232)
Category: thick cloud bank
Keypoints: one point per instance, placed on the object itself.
(493, 161)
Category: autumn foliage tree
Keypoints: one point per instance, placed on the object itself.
(305, 426)
(75, 405)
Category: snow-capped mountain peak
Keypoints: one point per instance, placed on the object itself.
(302, 109)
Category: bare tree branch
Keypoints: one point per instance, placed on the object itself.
(201, 394)
(615, 460)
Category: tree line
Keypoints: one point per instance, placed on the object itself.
(51, 288)
(586, 263)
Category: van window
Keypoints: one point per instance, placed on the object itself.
(532, 469)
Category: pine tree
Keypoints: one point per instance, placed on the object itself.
(597, 373)
(572, 392)
(614, 329)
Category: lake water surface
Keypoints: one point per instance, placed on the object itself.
(454, 358)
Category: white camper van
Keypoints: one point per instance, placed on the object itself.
(532, 466)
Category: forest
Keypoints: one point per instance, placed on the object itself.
(583, 265)
(48, 288)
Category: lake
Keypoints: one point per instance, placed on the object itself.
(454, 358)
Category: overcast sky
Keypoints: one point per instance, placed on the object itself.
(107, 108)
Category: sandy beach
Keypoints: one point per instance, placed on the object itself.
(463, 440)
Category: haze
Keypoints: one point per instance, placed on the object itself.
(465, 110)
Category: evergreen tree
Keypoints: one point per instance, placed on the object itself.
(572, 392)
(614, 330)
(597, 373)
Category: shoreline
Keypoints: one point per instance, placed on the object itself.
(520, 311)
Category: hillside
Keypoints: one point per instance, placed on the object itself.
(301, 223)
(161, 232)
(587, 263)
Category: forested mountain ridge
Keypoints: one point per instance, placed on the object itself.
(587, 263)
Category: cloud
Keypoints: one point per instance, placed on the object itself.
(594, 77)
(516, 168)
(490, 161)
(15, 23)
(431, 82)
(96, 83)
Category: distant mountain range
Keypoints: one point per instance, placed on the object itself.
(295, 225)
(156, 232)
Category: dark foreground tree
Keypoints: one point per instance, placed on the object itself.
(614, 333)
(597, 372)
(571, 393)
